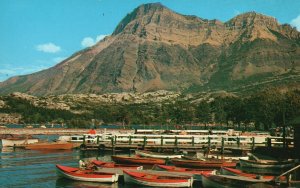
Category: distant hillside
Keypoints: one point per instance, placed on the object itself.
(154, 48)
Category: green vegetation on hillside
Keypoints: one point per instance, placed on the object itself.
(262, 110)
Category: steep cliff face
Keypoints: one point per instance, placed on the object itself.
(154, 48)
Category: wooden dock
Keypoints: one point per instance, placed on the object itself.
(176, 143)
(113, 146)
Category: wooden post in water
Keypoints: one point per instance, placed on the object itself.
(208, 146)
(98, 139)
(222, 146)
(193, 141)
(253, 143)
(269, 142)
(112, 145)
(130, 140)
(112, 141)
(145, 141)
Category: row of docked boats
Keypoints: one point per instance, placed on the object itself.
(211, 173)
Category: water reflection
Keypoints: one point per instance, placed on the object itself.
(62, 182)
(66, 183)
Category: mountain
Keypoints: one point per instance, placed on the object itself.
(154, 48)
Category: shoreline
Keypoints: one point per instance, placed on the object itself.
(56, 131)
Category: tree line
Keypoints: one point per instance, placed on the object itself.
(260, 111)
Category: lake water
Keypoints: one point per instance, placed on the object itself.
(29, 168)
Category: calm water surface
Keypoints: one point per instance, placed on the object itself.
(29, 168)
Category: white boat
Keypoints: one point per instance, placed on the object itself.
(270, 164)
(11, 142)
(152, 180)
(156, 155)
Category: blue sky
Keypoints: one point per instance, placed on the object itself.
(37, 34)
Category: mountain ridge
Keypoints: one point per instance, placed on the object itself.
(154, 48)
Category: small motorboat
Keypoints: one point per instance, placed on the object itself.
(202, 164)
(238, 172)
(137, 160)
(144, 153)
(197, 173)
(267, 164)
(18, 140)
(103, 164)
(49, 146)
(227, 181)
(86, 175)
(152, 180)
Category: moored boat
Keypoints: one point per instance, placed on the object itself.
(144, 153)
(203, 164)
(103, 164)
(50, 146)
(11, 142)
(197, 173)
(270, 164)
(86, 175)
(238, 172)
(137, 160)
(145, 179)
(227, 181)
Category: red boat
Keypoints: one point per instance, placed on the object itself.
(202, 164)
(50, 146)
(146, 179)
(137, 160)
(197, 173)
(103, 164)
(86, 175)
(237, 172)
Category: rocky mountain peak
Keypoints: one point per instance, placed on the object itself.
(137, 14)
(250, 18)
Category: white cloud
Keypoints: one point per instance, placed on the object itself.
(296, 22)
(9, 71)
(89, 41)
(100, 37)
(236, 12)
(48, 48)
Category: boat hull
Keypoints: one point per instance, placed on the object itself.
(237, 172)
(137, 160)
(90, 177)
(197, 173)
(49, 146)
(103, 164)
(202, 164)
(266, 165)
(225, 181)
(128, 178)
(156, 155)
(17, 142)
